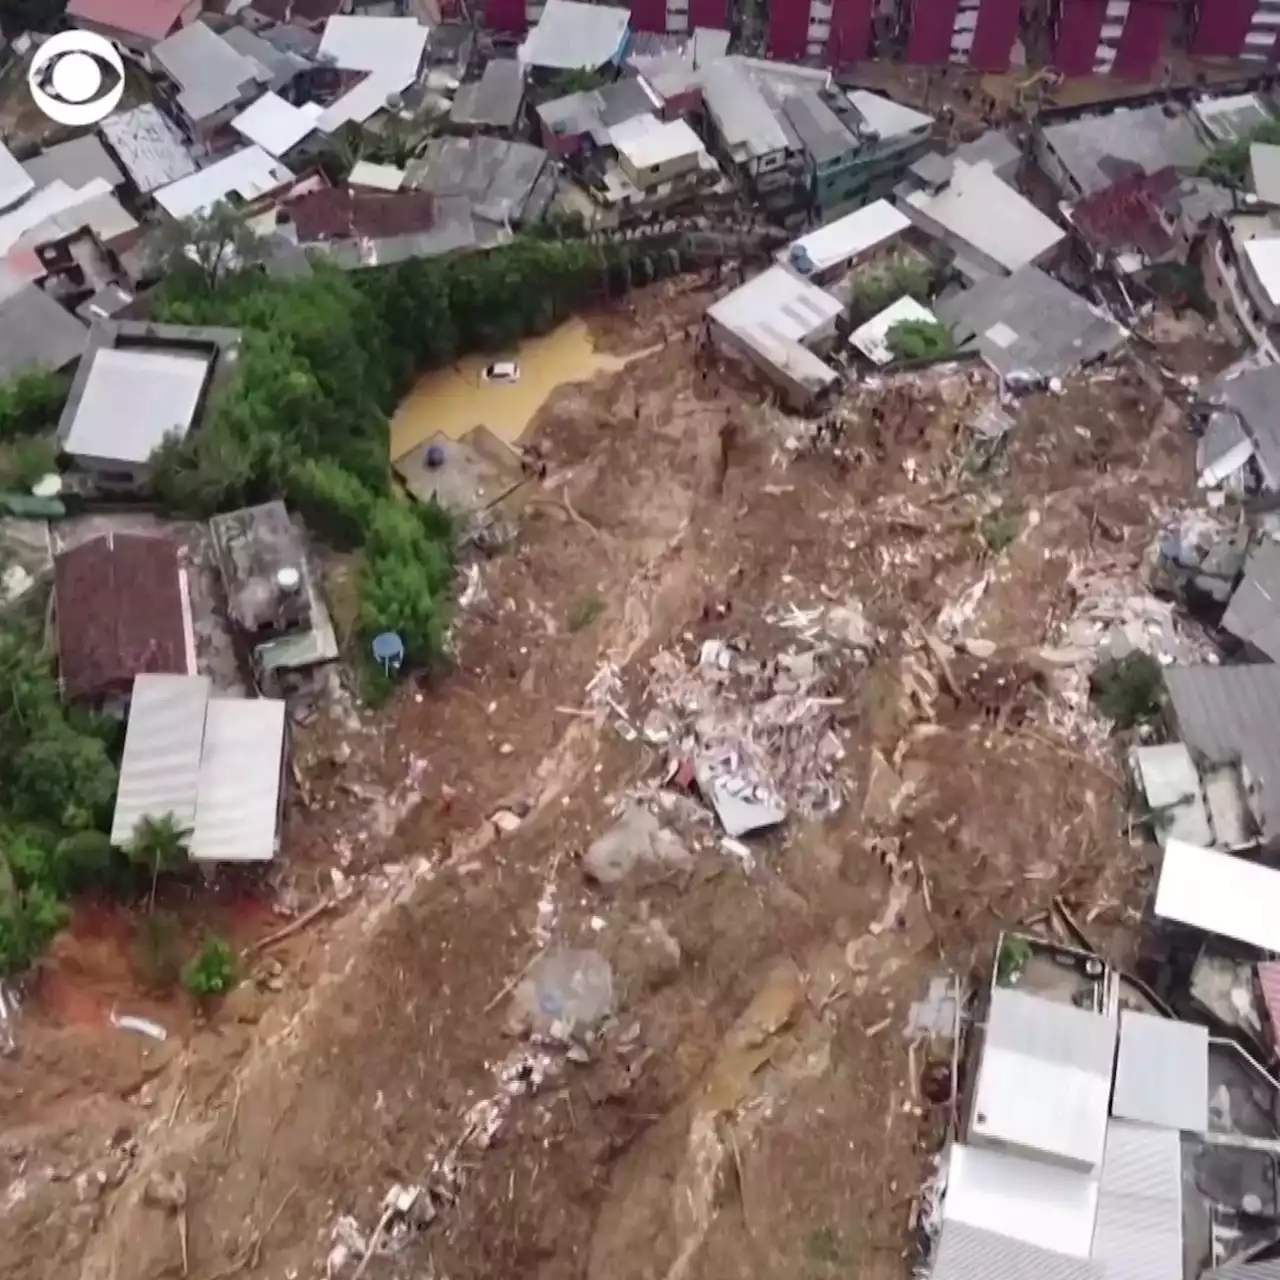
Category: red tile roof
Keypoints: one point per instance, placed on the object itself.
(150, 19)
(119, 610)
(341, 214)
(1126, 215)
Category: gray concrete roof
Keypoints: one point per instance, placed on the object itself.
(1248, 403)
(1029, 322)
(149, 146)
(37, 333)
(596, 111)
(741, 113)
(494, 100)
(1094, 149)
(76, 162)
(818, 127)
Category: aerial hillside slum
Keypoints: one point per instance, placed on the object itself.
(641, 643)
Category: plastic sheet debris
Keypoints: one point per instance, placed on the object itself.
(564, 994)
(143, 1026)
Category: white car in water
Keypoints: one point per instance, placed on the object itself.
(502, 371)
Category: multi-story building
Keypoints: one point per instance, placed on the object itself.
(1121, 37)
(981, 33)
(660, 16)
(1236, 29)
(830, 32)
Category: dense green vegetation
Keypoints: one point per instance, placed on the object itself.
(1228, 165)
(921, 340)
(212, 971)
(875, 291)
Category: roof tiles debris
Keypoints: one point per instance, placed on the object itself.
(120, 612)
(1253, 614)
(146, 19)
(1128, 215)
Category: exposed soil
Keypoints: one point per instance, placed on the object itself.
(752, 1110)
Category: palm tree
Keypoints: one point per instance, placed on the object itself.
(158, 842)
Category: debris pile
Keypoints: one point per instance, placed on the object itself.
(757, 736)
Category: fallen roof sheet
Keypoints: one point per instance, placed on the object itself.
(149, 146)
(160, 767)
(1253, 614)
(1034, 1201)
(969, 1253)
(1162, 1073)
(1044, 1080)
(1232, 713)
(1030, 322)
(274, 124)
(570, 36)
(1139, 1227)
(241, 763)
(1221, 894)
(984, 212)
(77, 162)
(846, 238)
(247, 173)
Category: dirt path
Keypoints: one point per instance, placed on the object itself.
(752, 1108)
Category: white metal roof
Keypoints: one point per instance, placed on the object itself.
(1035, 1201)
(1263, 253)
(1138, 1235)
(1162, 1072)
(1264, 171)
(15, 182)
(382, 177)
(238, 804)
(392, 47)
(132, 400)
(366, 99)
(570, 36)
(160, 767)
(982, 211)
(1044, 1081)
(211, 73)
(149, 146)
(274, 124)
(849, 237)
(247, 173)
(888, 118)
(872, 338)
(1220, 893)
(792, 308)
(968, 1253)
(743, 117)
(645, 141)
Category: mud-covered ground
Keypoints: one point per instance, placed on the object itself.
(752, 1108)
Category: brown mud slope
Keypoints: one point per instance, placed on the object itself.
(751, 1111)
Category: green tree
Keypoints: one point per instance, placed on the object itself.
(1228, 165)
(212, 971)
(921, 340)
(31, 403)
(207, 247)
(159, 844)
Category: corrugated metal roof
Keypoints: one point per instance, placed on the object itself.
(1233, 713)
(160, 768)
(795, 309)
(967, 1253)
(572, 36)
(1139, 1230)
(238, 802)
(1239, 1270)
(1044, 1081)
(1162, 1072)
(1254, 612)
(1038, 1202)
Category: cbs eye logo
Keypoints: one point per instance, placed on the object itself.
(76, 78)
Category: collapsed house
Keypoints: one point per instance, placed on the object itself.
(1237, 417)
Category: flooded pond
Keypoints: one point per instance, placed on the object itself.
(454, 399)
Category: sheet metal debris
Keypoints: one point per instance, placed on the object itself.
(143, 1026)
